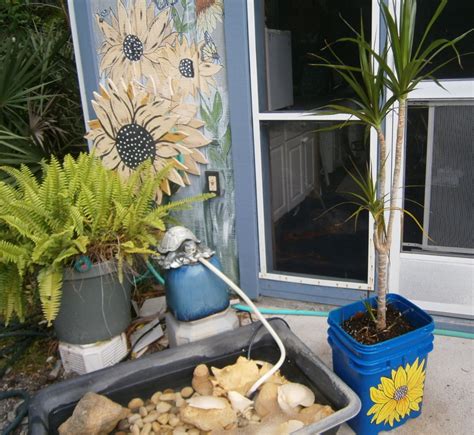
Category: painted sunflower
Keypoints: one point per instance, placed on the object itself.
(208, 14)
(134, 126)
(397, 396)
(182, 67)
(129, 50)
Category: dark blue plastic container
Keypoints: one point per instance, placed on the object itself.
(388, 377)
(194, 292)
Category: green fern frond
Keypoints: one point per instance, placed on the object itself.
(50, 280)
(11, 295)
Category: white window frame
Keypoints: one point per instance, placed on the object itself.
(257, 117)
(456, 91)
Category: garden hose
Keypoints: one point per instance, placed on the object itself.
(284, 311)
(21, 410)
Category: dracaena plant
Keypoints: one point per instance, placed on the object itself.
(379, 85)
(78, 207)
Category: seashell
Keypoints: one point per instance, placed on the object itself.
(240, 404)
(265, 367)
(266, 401)
(314, 413)
(291, 396)
(237, 377)
(208, 402)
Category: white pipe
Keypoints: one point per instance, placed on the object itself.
(272, 332)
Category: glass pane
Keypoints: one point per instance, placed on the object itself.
(307, 212)
(445, 160)
(456, 19)
(415, 172)
(296, 28)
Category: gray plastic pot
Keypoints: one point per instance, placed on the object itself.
(95, 306)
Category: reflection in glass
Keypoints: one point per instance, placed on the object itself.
(308, 209)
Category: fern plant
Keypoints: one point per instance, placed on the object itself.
(77, 208)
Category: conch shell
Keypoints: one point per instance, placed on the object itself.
(289, 427)
(237, 377)
(291, 396)
(277, 377)
(266, 401)
(240, 404)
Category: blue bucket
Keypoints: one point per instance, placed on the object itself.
(194, 292)
(388, 377)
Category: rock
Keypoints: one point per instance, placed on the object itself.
(93, 415)
(209, 419)
(201, 380)
(123, 425)
(173, 420)
(314, 413)
(151, 417)
(163, 407)
(168, 397)
(156, 427)
(187, 392)
(267, 400)
(156, 397)
(135, 404)
(163, 418)
(54, 373)
(146, 429)
(133, 418)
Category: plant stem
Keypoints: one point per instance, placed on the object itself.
(382, 258)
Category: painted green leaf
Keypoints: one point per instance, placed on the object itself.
(217, 108)
(226, 141)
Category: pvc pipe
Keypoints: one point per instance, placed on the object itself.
(272, 332)
(283, 312)
(288, 312)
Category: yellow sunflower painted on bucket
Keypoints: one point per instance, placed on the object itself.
(396, 397)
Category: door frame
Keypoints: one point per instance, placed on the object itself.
(254, 12)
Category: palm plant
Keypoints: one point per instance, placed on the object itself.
(78, 208)
(379, 84)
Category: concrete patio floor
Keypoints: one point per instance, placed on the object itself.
(448, 406)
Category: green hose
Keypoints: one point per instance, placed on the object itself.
(283, 312)
(21, 411)
(154, 272)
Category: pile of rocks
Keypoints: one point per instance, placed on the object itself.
(214, 404)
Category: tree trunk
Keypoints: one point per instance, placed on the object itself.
(382, 260)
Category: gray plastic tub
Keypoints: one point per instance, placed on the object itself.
(173, 368)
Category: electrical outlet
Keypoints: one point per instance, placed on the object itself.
(213, 184)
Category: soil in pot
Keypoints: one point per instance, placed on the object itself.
(361, 326)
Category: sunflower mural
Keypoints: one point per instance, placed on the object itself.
(395, 397)
(131, 41)
(134, 126)
(164, 99)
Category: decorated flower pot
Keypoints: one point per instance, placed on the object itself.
(389, 377)
(193, 292)
(95, 306)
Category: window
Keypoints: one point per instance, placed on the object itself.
(300, 173)
(439, 178)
